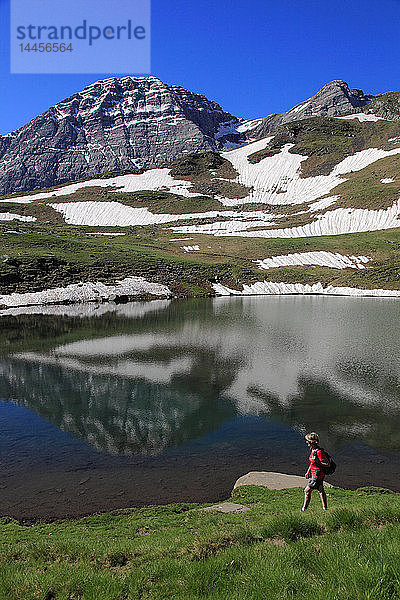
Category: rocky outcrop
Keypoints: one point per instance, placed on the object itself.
(334, 99)
(386, 106)
(115, 124)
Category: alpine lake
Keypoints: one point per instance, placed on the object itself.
(117, 405)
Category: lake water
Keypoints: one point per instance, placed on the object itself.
(107, 406)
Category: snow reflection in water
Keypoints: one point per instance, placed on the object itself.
(144, 377)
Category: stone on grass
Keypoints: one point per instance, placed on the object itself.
(228, 507)
(272, 481)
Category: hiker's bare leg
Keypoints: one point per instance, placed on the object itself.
(307, 497)
(324, 501)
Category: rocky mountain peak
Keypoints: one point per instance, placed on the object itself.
(131, 123)
(115, 124)
(333, 99)
(337, 96)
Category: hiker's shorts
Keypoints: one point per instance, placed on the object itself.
(316, 484)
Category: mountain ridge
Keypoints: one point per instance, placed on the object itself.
(114, 124)
(335, 98)
(316, 200)
(132, 123)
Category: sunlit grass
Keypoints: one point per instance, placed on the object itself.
(179, 551)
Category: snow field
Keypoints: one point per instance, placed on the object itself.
(322, 204)
(334, 222)
(87, 292)
(272, 288)
(276, 179)
(223, 227)
(319, 258)
(19, 200)
(362, 117)
(119, 215)
(11, 217)
(299, 107)
(151, 180)
(248, 125)
(190, 248)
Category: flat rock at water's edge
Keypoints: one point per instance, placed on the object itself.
(228, 507)
(272, 481)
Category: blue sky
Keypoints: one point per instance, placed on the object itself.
(254, 57)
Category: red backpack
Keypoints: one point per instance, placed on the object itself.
(332, 465)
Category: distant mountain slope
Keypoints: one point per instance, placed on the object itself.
(319, 176)
(315, 203)
(386, 106)
(139, 122)
(334, 99)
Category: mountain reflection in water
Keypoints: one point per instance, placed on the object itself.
(144, 377)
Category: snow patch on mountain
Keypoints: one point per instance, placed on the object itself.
(273, 288)
(318, 258)
(226, 227)
(87, 292)
(6, 216)
(299, 107)
(335, 222)
(19, 200)
(248, 125)
(151, 180)
(276, 179)
(190, 248)
(362, 117)
(115, 214)
(322, 204)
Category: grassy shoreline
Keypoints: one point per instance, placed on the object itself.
(179, 551)
(37, 257)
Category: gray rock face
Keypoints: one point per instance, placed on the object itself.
(138, 122)
(115, 124)
(334, 99)
(386, 106)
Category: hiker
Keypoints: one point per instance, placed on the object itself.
(318, 460)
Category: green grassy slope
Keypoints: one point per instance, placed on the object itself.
(326, 141)
(50, 253)
(364, 188)
(38, 256)
(181, 552)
